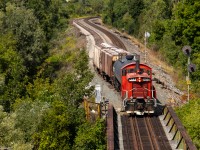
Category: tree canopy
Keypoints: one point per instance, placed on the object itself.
(43, 76)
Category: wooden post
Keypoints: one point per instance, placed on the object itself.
(99, 110)
(86, 109)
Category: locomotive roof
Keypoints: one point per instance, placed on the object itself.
(124, 62)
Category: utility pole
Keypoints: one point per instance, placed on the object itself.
(146, 35)
(145, 51)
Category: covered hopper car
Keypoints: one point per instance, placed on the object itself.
(104, 57)
(129, 77)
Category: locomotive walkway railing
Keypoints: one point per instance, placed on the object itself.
(177, 132)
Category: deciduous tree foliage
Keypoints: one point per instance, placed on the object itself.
(50, 13)
(28, 34)
(120, 11)
(26, 27)
(10, 135)
(90, 136)
(58, 127)
(189, 115)
(41, 91)
(11, 71)
(186, 29)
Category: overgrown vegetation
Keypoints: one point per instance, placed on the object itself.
(43, 78)
(189, 115)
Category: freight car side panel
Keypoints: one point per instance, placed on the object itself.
(103, 62)
(108, 68)
(108, 57)
(106, 62)
(96, 57)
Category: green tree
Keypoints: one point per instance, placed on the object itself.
(128, 23)
(10, 135)
(91, 136)
(189, 115)
(28, 122)
(58, 128)
(118, 12)
(41, 90)
(29, 36)
(186, 30)
(51, 14)
(12, 72)
(154, 12)
(108, 14)
(96, 5)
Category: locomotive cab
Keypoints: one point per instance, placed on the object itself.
(140, 97)
(136, 87)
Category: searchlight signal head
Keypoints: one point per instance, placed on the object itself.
(187, 50)
(191, 68)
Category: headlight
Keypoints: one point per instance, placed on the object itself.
(132, 79)
(146, 79)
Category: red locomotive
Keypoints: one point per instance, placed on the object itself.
(129, 76)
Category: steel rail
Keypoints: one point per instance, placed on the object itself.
(137, 134)
(115, 40)
(97, 37)
(152, 134)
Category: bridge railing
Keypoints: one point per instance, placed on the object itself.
(112, 129)
(178, 134)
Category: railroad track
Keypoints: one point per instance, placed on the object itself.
(97, 37)
(115, 40)
(140, 133)
(98, 40)
(144, 133)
